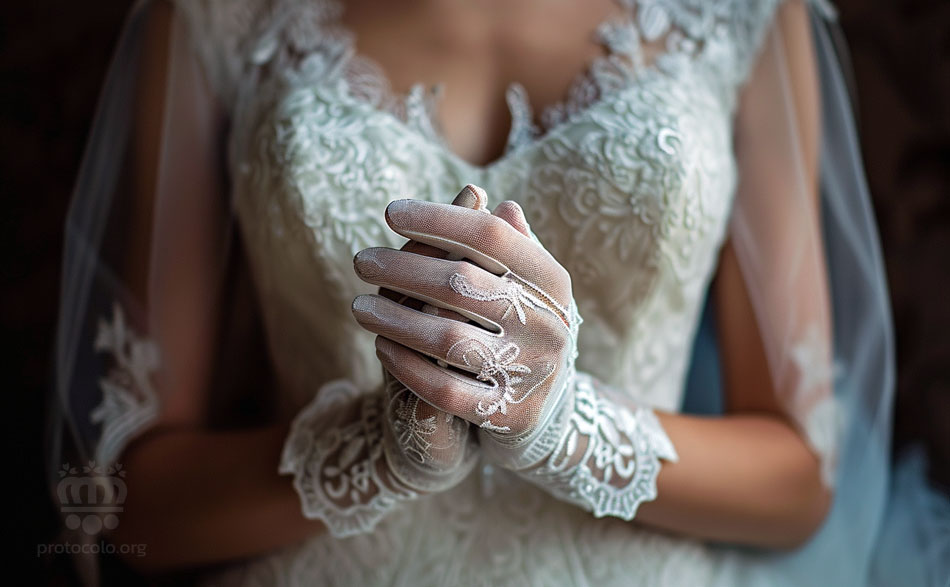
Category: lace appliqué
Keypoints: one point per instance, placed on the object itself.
(496, 364)
(607, 459)
(813, 362)
(317, 47)
(414, 434)
(336, 469)
(816, 407)
(430, 453)
(587, 449)
(513, 293)
(129, 401)
(822, 427)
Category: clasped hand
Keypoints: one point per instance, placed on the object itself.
(506, 365)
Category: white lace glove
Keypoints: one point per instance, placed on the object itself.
(356, 455)
(558, 428)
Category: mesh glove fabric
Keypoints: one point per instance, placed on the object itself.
(356, 455)
(510, 370)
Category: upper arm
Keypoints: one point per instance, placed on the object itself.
(771, 287)
(179, 213)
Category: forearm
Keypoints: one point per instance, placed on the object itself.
(198, 497)
(743, 478)
(748, 479)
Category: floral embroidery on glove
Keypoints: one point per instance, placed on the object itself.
(510, 369)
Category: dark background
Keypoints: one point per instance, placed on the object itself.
(53, 56)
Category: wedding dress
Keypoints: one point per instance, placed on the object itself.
(630, 183)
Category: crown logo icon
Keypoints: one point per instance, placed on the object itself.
(91, 498)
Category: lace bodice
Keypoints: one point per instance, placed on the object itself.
(628, 183)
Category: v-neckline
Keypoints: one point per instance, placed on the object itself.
(484, 171)
(523, 130)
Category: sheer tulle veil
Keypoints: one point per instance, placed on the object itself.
(875, 534)
(813, 272)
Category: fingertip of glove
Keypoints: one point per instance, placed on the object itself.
(472, 197)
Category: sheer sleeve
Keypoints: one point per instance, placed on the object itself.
(145, 247)
(142, 325)
(775, 232)
(804, 242)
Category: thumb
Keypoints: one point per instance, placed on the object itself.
(472, 197)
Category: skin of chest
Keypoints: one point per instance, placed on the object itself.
(475, 49)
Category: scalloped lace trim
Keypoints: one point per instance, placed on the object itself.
(649, 36)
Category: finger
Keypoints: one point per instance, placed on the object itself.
(512, 213)
(431, 335)
(447, 390)
(445, 436)
(486, 239)
(454, 285)
(442, 313)
(418, 249)
(472, 197)
(417, 304)
(423, 249)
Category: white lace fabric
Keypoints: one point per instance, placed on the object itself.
(536, 414)
(629, 184)
(356, 455)
(339, 471)
(129, 401)
(607, 457)
(301, 41)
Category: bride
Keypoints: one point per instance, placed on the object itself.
(552, 293)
